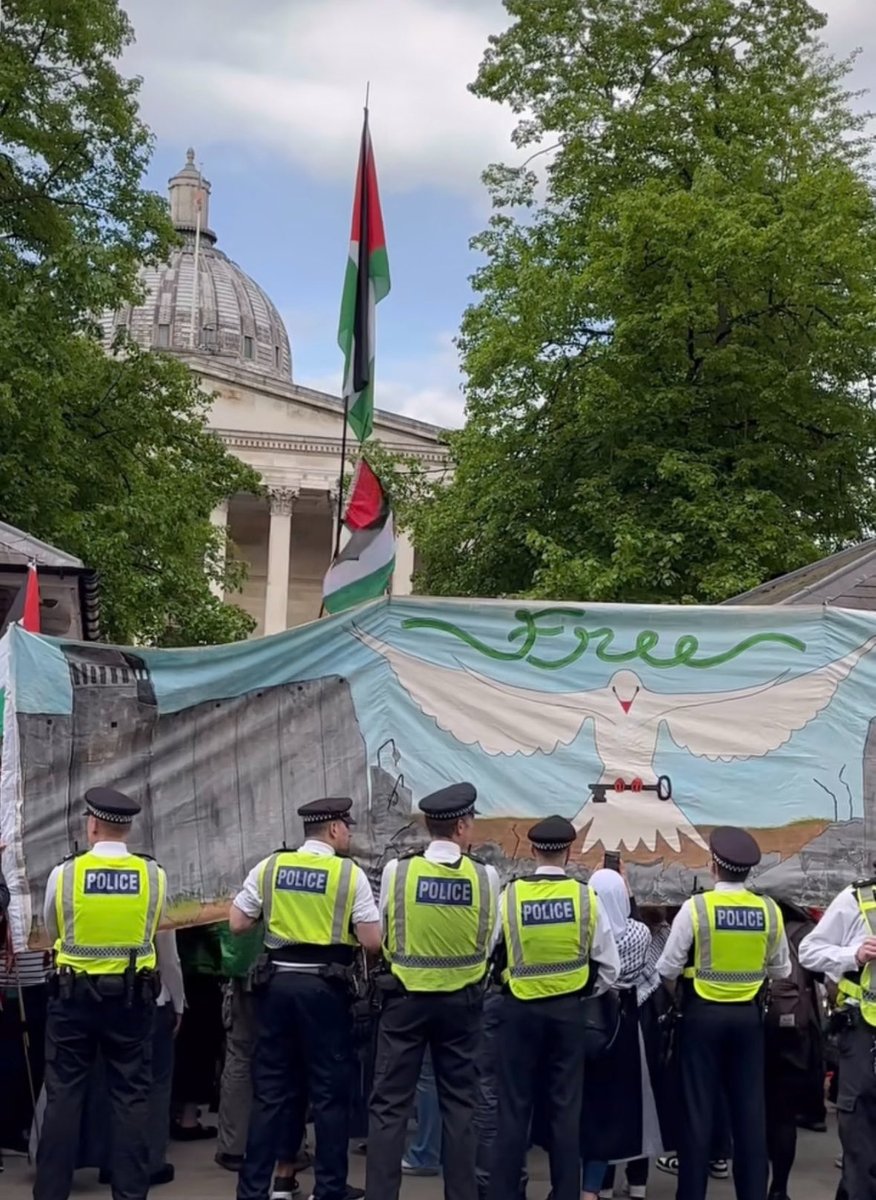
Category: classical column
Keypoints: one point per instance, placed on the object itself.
(402, 576)
(279, 539)
(219, 520)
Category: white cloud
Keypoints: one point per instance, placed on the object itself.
(288, 77)
(426, 388)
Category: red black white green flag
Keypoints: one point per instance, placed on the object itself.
(362, 570)
(25, 608)
(365, 284)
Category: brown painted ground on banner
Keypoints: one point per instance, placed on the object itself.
(510, 835)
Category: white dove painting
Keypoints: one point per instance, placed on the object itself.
(503, 719)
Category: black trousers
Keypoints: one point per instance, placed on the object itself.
(486, 1117)
(76, 1030)
(541, 1041)
(450, 1024)
(303, 1049)
(856, 1103)
(721, 1048)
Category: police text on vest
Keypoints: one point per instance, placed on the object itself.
(740, 920)
(301, 879)
(547, 912)
(433, 890)
(111, 883)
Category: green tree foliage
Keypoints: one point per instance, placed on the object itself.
(109, 457)
(671, 360)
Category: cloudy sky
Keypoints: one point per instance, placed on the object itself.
(270, 95)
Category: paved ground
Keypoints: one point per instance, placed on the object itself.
(198, 1178)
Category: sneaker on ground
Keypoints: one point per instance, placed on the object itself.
(285, 1187)
(409, 1168)
(719, 1168)
(637, 1191)
(606, 1194)
(192, 1133)
(350, 1194)
(229, 1162)
(667, 1163)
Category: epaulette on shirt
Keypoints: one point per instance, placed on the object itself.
(73, 854)
(864, 883)
(410, 853)
(145, 857)
(478, 858)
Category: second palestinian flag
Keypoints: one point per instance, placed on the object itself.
(363, 568)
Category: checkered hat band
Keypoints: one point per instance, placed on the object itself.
(324, 818)
(551, 845)
(728, 866)
(452, 816)
(110, 818)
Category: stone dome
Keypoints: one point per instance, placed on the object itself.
(235, 322)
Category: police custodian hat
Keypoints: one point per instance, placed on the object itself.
(450, 803)
(553, 833)
(330, 808)
(109, 805)
(734, 850)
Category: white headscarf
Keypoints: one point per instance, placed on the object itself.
(614, 898)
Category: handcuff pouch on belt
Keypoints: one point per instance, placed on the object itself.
(140, 987)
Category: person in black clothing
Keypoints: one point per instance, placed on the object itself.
(789, 1032)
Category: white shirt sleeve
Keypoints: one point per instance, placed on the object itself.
(778, 964)
(169, 968)
(49, 914)
(386, 881)
(364, 909)
(249, 899)
(831, 946)
(675, 954)
(498, 933)
(603, 951)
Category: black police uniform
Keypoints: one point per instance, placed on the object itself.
(721, 1046)
(449, 1023)
(541, 1040)
(111, 1015)
(304, 1047)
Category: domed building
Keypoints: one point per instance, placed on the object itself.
(205, 309)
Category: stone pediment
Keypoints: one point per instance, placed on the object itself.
(275, 414)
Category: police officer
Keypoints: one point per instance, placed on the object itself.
(439, 909)
(553, 930)
(726, 943)
(317, 905)
(102, 909)
(843, 947)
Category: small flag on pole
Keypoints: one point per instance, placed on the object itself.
(362, 570)
(365, 284)
(25, 608)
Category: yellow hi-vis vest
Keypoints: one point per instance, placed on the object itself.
(865, 990)
(106, 908)
(548, 923)
(735, 933)
(307, 899)
(438, 924)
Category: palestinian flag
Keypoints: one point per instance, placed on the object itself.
(363, 568)
(25, 608)
(365, 285)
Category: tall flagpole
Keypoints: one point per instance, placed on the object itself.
(196, 299)
(363, 190)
